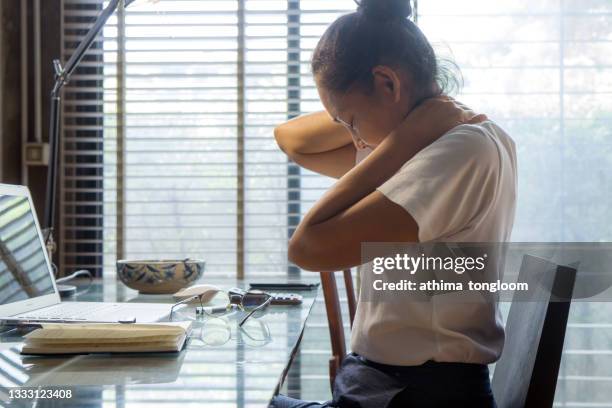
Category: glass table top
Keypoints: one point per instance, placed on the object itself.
(222, 365)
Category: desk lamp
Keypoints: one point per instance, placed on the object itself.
(62, 76)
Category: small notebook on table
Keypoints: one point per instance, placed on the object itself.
(57, 338)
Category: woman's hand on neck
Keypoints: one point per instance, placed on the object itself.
(423, 125)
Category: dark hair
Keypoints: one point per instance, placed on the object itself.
(378, 33)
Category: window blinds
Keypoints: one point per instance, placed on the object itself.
(188, 166)
(80, 190)
(206, 81)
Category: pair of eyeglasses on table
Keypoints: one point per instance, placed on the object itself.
(251, 301)
(218, 331)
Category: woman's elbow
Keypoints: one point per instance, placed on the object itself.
(282, 139)
(304, 254)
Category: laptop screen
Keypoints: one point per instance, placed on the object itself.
(23, 269)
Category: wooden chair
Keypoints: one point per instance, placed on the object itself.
(526, 374)
(334, 316)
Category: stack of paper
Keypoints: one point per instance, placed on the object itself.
(57, 338)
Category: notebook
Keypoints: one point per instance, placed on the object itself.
(59, 338)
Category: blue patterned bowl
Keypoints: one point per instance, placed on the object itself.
(159, 276)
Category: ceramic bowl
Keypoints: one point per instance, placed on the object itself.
(159, 276)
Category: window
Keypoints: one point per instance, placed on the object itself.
(543, 70)
(186, 94)
(195, 172)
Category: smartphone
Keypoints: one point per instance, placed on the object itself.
(285, 286)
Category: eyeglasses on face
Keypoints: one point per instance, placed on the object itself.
(357, 140)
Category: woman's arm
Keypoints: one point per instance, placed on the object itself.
(316, 142)
(352, 211)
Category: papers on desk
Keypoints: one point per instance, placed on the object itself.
(57, 338)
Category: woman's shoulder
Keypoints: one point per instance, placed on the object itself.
(481, 141)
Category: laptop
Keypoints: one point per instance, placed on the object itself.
(28, 293)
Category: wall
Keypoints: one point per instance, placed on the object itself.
(10, 93)
(22, 101)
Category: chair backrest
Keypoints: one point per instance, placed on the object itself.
(334, 316)
(526, 374)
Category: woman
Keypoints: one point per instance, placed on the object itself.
(429, 170)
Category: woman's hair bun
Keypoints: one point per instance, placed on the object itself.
(385, 9)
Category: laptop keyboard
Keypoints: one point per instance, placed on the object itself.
(72, 311)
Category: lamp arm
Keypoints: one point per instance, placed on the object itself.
(62, 76)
